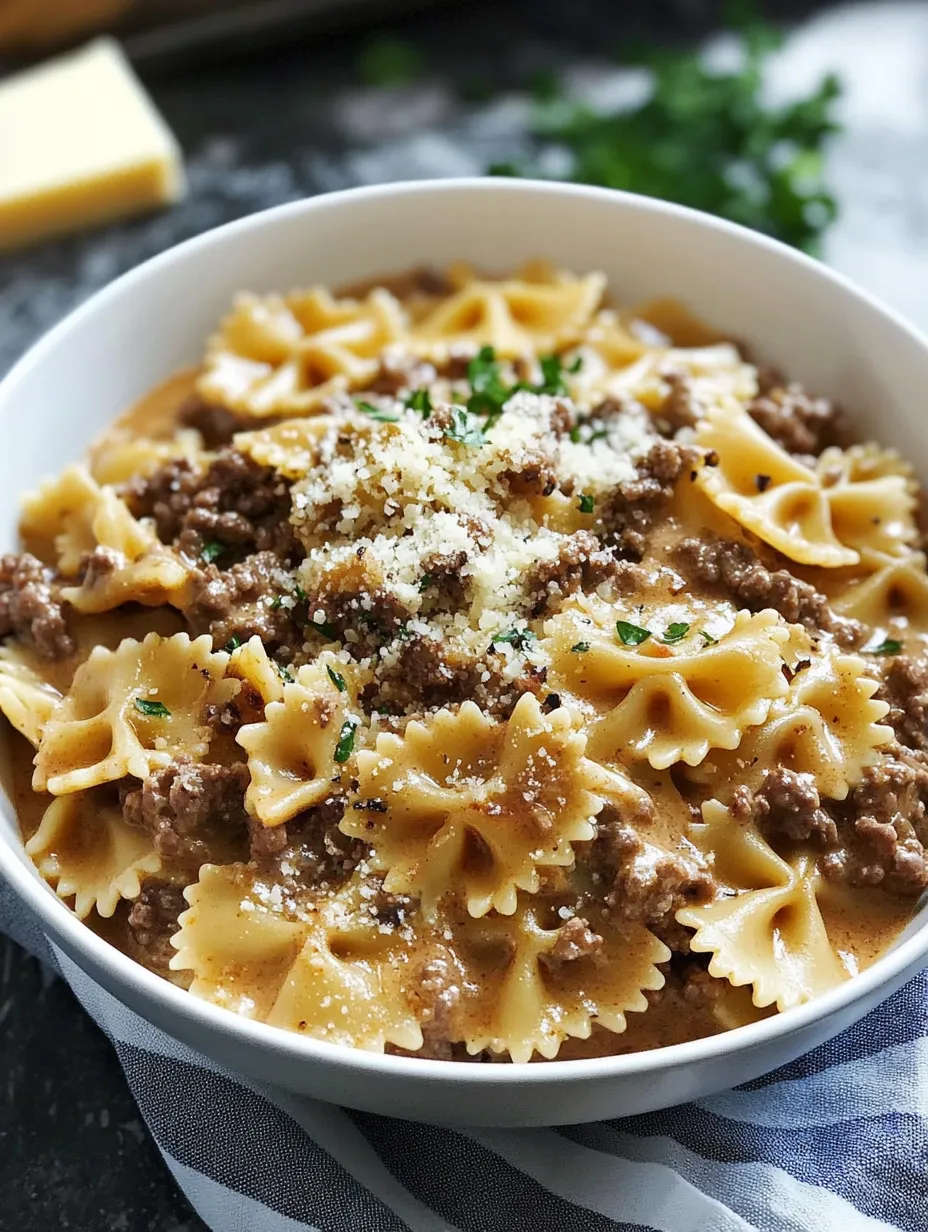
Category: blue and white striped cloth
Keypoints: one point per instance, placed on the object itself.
(835, 1142)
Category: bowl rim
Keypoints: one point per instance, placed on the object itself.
(61, 926)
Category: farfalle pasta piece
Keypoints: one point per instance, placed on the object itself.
(896, 590)
(26, 699)
(87, 852)
(252, 665)
(532, 999)
(666, 703)
(121, 455)
(461, 802)
(872, 497)
(79, 515)
(325, 968)
(131, 710)
(292, 447)
(767, 491)
(514, 316)
(304, 740)
(765, 927)
(827, 725)
(285, 355)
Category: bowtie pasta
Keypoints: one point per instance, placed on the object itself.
(466, 667)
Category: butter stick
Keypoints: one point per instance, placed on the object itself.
(81, 144)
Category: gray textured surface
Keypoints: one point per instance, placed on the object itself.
(73, 1152)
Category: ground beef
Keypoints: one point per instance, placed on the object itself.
(630, 511)
(803, 425)
(736, 571)
(187, 807)
(427, 673)
(446, 585)
(679, 409)
(216, 424)
(233, 502)
(31, 607)
(649, 884)
(398, 372)
(787, 806)
(239, 602)
(575, 939)
(581, 563)
(534, 475)
(153, 922)
(905, 688)
(310, 850)
(700, 989)
(883, 828)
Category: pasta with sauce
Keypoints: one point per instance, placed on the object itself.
(465, 667)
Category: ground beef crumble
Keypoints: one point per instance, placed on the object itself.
(233, 502)
(581, 564)
(153, 922)
(242, 601)
(187, 806)
(905, 688)
(31, 607)
(737, 572)
(629, 512)
(787, 805)
(803, 425)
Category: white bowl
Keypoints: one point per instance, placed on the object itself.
(795, 312)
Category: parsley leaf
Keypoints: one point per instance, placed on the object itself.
(575, 365)
(211, 550)
(233, 643)
(276, 602)
(488, 393)
(425, 582)
(517, 638)
(708, 638)
(889, 646)
(463, 429)
(284, 673)
(345, 746)
(586, 503)
(324, 629)
(152, 710)
(675, 632)
(631, 635)
(337, 679)
(375, 412)
(580, 647)
(419, 400)
(703, 138)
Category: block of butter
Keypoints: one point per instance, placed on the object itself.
(80, 144)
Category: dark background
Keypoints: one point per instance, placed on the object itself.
(74, 1153)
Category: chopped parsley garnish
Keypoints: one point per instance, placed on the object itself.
(708, 638)
(375, 412)
(300, 593)
(552, 379)
(593, 434)
(586, 503)
(705, 138)
(517, 638)
(211, 550)
(276, 602)
(580, 647)
(345, 746)
(464, 429)
(233, 643)
(419, 400)
(575, 365)
(426, 581)
(675, 632)
(488, 393)
(284, 673)
(631, 635)
(337, 679)
(152, 710)
(889, 646)
(324, 629)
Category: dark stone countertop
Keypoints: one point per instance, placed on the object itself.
(74, 1153)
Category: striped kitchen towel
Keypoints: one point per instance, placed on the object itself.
(835, 1142)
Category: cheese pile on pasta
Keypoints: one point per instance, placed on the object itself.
(467, 668)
